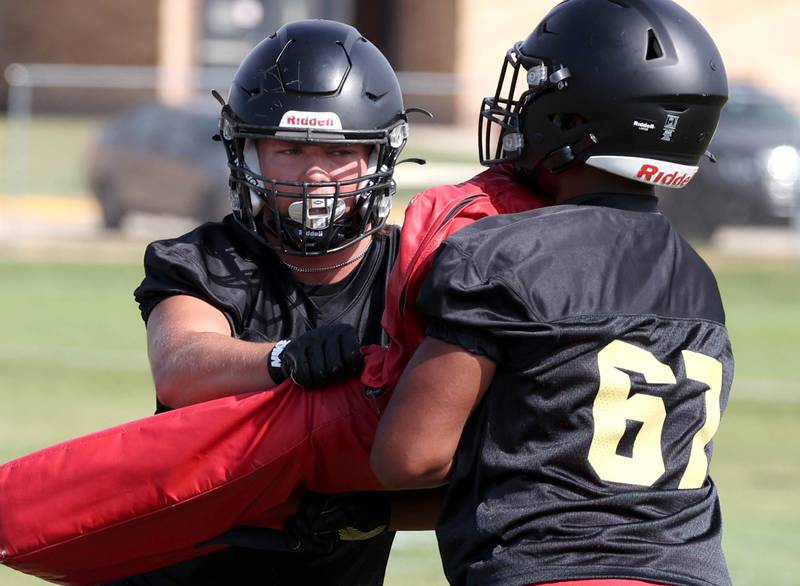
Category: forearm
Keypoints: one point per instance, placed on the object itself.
(202, 366)
(418, 434)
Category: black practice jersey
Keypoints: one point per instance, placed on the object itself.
(588, 455)
(226, 266)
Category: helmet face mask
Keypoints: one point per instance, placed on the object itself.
(634, 88)
(313, 83)
(317, 217)
(504, 109)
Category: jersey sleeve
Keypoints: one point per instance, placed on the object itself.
(461, 305)
(183, 268)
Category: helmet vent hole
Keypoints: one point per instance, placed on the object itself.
(565, 121)
(618, 3)
(545, 29)
(654, 50)
(677, 108)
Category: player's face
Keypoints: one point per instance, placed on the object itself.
(313, 163)
(324, 162)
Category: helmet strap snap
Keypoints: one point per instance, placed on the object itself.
(568, 155)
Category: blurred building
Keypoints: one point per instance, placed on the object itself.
(94, 32)
(449, 51)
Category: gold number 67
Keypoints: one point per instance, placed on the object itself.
(613, 407)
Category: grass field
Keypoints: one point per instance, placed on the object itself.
(72, 361)
(56, 153)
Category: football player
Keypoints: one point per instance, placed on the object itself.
(294, 280)
(576, 362)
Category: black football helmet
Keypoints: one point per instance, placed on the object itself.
(313, 81)
(633, 87)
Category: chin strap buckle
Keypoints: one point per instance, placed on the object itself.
(562, 158)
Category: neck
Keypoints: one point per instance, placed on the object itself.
(328, 268)
(582, 179)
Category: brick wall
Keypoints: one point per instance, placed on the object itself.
(77, 31)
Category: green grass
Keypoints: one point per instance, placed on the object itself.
(71, 352)
(763, 311)
(757, 460)
(72, 360)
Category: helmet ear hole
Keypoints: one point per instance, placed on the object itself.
(567, 121)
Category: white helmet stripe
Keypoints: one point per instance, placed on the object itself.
(299, 119)
(652, 171)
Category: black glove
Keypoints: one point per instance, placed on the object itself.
(318, 358)
(323, 520)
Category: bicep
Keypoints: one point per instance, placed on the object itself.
(422, 426)
(179, 316)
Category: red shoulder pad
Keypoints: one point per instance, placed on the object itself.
(430, 218)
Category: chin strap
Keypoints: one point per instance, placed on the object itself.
(562, 158)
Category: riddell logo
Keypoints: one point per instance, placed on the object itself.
(663, 173)
(644, 126)
(652, 174)
(308, 121)
(324, 120)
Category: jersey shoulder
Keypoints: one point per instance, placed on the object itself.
(212, 239)
(565, 261)
(499, 184)
(209, 262)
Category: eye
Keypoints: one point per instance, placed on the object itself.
(349, 152)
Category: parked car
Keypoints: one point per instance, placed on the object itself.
(160, 159)
(756, 179)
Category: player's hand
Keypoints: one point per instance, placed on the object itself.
(318, 358)
(324, 520)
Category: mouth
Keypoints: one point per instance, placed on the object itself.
(319, 212)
